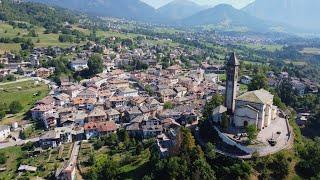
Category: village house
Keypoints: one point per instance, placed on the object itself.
(41, 111)
(34, 60)
(119, 83)
(51, 139)
(48, 100)
(43, 72)
(72, 90)
(175, 69)
(298, 87)
(246, 80)
(302, 119)
(4, 132)
(118, 101)
(96, 129)
(138, 101)
(151, 127)
(62, 99)
(4, 72)
(167, 95)
(284, 75)
(181, 91)
(217, 113)
(97, 114)
(79, 64)
(212, 77)
(113, 115)
(131, 113)
(88, 93)
(27, 168)
(127, 92)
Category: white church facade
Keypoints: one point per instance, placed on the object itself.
(254, 107)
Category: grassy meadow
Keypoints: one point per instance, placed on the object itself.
(24, 93)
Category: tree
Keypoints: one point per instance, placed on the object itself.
(168, 105)
(3, 158)
(224, 121)
(139, 149)
(202, 170)
(188, 141)
(213, 103)
(27, 45)
(258, 81)
(210, 150)
(15, 107)
(252, 132)
(149, 90)
(286, 93)
(176, 168)
(280, 166)
(2, 114)
(95, 65)
(103, 168)
(124, 137)
(309, 154)
(277, 102)
(32, 33)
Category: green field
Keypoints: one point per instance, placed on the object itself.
(7, 30)
(131, 166)
(45, 40)
(270, 48)
(24, 93)
(297, 63)
(313, 51)
(11, 165)
(9, 47)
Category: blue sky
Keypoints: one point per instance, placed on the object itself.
(235, 3)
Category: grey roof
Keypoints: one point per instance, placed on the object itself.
(133, 127)
(50, 135)
(259, 96)
(219, 110)
(112, 112)
(4, 127)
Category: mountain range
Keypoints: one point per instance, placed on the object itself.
(226, 16)
(128, 9)
(179, 9)
(259, 15)
(302, 14)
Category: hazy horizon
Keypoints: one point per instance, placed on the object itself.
(236, 3)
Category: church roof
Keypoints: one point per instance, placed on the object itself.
(233, 60)
(259, 96)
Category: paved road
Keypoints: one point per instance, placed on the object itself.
(17, 143)
(71, 164)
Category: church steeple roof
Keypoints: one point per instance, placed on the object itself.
(233, 60)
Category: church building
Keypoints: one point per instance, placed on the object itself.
(253, 107)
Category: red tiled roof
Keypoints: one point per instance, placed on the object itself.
(101, 126)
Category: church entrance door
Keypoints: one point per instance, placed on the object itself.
(245, 123)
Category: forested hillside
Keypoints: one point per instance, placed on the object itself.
(36, 14)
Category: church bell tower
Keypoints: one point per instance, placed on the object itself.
(231, 84)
